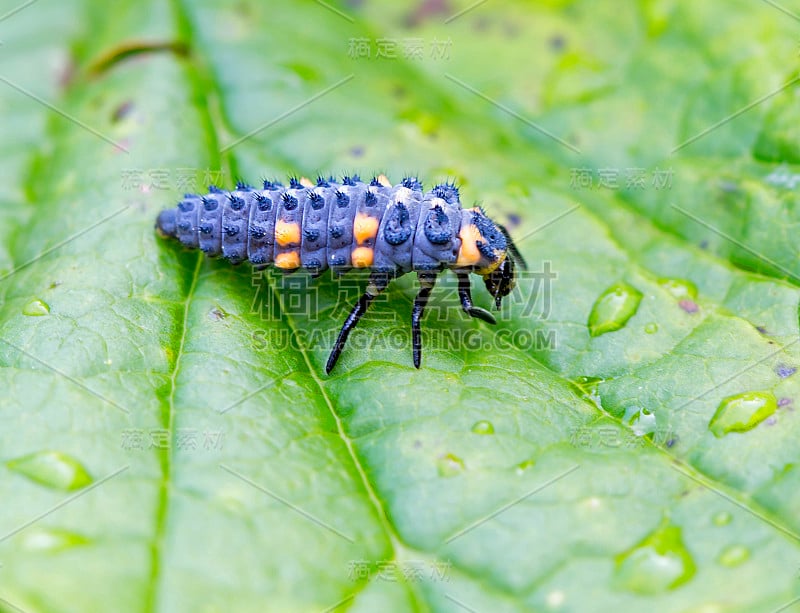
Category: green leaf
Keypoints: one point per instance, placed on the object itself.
(169, 440)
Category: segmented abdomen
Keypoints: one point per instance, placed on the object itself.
(331, 225)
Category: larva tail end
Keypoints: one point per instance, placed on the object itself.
(165, 224)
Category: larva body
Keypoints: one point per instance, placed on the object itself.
(390, 230)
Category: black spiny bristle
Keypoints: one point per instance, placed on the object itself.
(411, 183)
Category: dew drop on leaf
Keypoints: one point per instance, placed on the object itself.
(51, 539)
(483, 427)
(679, 288)
(614, 308)
(733, 555)
(53, 469)
(723, 518)
(36, 308)
(742, 412)
(450, 465)
(660, 562)
(641, 421)
(590, 386)
(522, 467)
(651, 328)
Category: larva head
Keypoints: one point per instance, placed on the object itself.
(500, 281)
(484, 249)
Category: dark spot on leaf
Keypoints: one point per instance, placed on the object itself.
(357, 151)
(217, 314)
(514, 220)
(511, 29)
(122, 111)
(771, 421)
(784, 371)
(427, 9)
(690, 306)
(703, 244)
(482, 24)
(557, 42)
(784, 402)
(67, 73)
(761, 329)
(728, 186)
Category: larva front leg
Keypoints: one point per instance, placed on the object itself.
(465, 295)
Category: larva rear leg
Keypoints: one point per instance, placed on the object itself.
(465, 295)
(427, 281)
(377, 283)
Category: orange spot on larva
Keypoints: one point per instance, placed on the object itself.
(287, 233)
(364, 228)
(362, 257)
(468, 253)
(287, 261)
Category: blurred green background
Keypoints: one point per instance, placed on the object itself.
(625, 439)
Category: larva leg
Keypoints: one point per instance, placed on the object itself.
(426, 281)
(466, 301)
(377, 283)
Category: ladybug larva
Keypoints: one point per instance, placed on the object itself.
(390, 230)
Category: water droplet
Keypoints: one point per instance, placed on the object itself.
(555, 599)
(483, 427)
(450, 465)
(660, 562)
(614, 308)
(742, 412)
(36, 308)
(680, 288)
(590, 386)
(51, 539)
(522, 467)
(52, 468)
(733, 555)
(642, 421)
(651, 328)
(723, 518)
